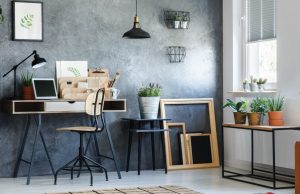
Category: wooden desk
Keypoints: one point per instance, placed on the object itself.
(37, 108)
(274, 176)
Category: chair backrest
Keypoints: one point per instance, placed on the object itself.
(94, 103)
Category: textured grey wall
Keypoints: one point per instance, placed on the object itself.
(92, 30)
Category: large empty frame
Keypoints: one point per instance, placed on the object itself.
(213, 131)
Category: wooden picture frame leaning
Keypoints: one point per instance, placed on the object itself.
(213, 132)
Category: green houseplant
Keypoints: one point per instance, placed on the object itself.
(275, 106)
(261, 83)
(177, 20)
(253, 84)
(27, 88)
(149, 97)
(258, 107)
(239, 110)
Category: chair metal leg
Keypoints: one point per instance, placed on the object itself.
(20, 154)
(96, 163)
(72, 169)
(88, 167)
(64, 166)
(129, 150)
(111, 146)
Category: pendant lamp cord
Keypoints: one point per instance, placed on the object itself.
(136, 7)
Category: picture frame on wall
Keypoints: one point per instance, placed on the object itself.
(27, 21)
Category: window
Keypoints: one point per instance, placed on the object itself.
(260, 45)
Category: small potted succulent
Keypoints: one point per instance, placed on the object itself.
(253, 84)
(240, 110)
(258, 107)
(149, 97)
(246, 85)
(27, 89)
(275, 106)
(184, 22)
(177, 20)
(261, 84)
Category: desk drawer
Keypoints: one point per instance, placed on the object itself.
(64, 106)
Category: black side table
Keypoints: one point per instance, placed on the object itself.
(143, 126)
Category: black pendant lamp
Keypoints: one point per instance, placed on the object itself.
(136, 32)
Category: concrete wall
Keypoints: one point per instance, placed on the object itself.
(288, 41)
(92, 30)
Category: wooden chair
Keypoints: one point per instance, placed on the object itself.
(93, 107)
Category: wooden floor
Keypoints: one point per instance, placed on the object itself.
(208, 181)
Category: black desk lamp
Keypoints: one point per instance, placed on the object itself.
(36, 63)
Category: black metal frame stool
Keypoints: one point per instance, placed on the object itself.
(94, 107)
(146, 126)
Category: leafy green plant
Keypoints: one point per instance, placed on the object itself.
(276, 103)
(26, 21)
(27, 79)
(240, 106)
(259, 105)
(262, 81)
(253, 80)
(151, 90)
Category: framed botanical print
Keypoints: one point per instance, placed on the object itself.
(27, 21)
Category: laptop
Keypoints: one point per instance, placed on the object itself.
(44, 88)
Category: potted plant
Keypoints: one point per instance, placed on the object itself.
(177, 20)
(253, 84)
(261, 83)
(184, 22)
(259, 107)
(149, 97)
(239, 108)
(27, 88)
(275, 106)
(246, 85)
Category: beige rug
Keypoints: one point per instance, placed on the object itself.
(140, 190)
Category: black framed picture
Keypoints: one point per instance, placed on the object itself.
(27, 18)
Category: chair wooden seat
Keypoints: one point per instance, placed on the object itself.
(78, 129)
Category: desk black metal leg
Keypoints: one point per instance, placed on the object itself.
(111, 147)
(163, 150)
(153, 145)
(47, 153)
(252, 152)
(129, 150)
(22, 146)
(139, 152)
(274, 159)
(223, 153)
(34, 149)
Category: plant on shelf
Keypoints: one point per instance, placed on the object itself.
(253, 84)
(149, 97)
(258, 108)
(246, 85)
(184, 22)
(27, 86)
(261, 83)
(177, 20)
(239, 110)
(275, 106)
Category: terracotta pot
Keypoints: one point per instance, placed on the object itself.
(240, 117)
(28, 93)
(276, 118)
(254, 118)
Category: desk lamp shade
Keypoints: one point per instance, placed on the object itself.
(136, 32)
(38, 61)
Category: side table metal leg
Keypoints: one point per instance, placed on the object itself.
(223, 153)
(129, 150)
(274, 158)
(252, 152)
(163, 150)
(153, 146)
(20, 154)
(139, 152)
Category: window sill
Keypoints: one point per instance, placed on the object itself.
(243, 93)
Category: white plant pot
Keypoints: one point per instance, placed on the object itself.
(261, 87)
(149, 107)
(253, 87)
(176, 24)
(183, 24)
